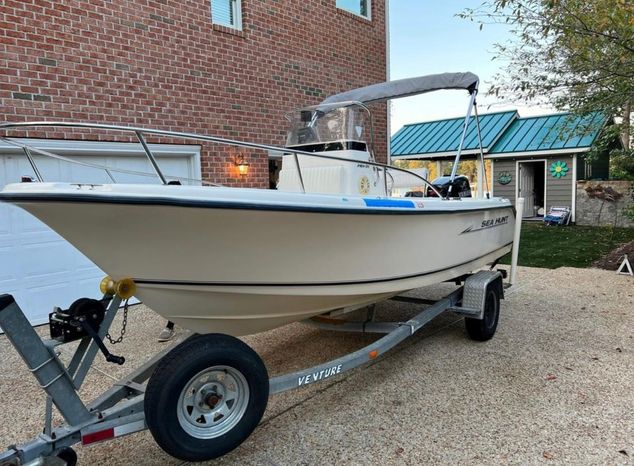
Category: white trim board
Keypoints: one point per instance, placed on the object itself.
(69, 147)
(493, 177)
(74, 147)
(433, 155)
(537, 153)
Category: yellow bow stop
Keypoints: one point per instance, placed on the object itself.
(124, 288)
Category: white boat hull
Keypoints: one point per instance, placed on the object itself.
(213, 260)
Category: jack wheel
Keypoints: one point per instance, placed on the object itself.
(206, 397)
(483, 330)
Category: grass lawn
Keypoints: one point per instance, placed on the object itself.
(570, 246)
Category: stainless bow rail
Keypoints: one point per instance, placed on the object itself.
(140, 134)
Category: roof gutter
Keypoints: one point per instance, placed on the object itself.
(435, 155)
(537, 153)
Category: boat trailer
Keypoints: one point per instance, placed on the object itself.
(226, 383)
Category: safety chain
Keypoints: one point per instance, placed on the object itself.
(123, 326)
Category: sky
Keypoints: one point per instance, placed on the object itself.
(425, 38)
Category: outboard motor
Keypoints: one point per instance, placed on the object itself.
(459, 188)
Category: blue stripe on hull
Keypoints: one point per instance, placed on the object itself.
(388, 203)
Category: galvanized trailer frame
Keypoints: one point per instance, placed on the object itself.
(120, 411)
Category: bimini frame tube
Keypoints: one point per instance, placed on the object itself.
(464, 135)
(482, 174)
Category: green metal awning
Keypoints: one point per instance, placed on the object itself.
(504, 134)
(559, 132)
(440, 139)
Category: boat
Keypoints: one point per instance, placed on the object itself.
(329, 239)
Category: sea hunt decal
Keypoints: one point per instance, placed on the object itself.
(317, 376)
(488, 223)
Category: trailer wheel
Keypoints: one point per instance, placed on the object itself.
(484, 329)
(67, 455)
(206, 397)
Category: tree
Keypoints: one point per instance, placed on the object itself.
(575, 54)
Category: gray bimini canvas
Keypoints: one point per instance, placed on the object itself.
(406, 87)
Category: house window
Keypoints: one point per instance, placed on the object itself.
(226, 13)
(358, 7)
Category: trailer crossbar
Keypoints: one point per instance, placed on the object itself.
(365, 355)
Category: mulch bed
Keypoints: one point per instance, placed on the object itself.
(613, 259)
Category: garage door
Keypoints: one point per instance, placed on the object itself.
(37, 266)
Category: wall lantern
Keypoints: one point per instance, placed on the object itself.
(243, 165)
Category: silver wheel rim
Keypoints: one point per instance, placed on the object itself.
(213, 402)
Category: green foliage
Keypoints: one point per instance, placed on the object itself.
(574, 54)
(622, 164)
(608, 139)
(570, 246)
(466, 167)
(414, 164)
(621, 160)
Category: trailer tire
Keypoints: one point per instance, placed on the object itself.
(484, 329)
(67, 455)
(205, 397)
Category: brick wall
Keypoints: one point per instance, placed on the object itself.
(161, 63)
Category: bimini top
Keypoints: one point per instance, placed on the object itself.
(406, 87)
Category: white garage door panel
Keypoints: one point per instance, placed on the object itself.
(37, 266)
(6, 277)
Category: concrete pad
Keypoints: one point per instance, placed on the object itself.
(555, 385)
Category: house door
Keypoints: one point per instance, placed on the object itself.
(532, 186)
(526, 187)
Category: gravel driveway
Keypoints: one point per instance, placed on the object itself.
(554, 386)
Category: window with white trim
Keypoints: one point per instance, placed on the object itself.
(358, 7)
(226, 13)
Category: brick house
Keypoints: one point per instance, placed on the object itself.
(229, 68)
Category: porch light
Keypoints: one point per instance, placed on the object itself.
(243, 165)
